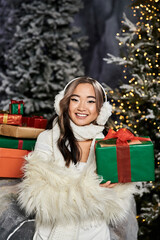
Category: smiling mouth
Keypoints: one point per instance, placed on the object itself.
(81, 115)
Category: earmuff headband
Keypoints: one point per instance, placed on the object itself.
(104, 92)
(105, 111)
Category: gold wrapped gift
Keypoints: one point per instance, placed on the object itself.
(19, 132)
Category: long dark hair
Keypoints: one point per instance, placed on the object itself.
(67, 143)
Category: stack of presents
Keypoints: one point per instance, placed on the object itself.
(18, 135)
(120, 156)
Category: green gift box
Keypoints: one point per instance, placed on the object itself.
(16, 108)
(131, 162)
(14, 143)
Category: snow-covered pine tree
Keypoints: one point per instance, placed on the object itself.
(137, 101)
(8, 21)
(44, 56)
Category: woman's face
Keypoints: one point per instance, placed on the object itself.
(82, 106)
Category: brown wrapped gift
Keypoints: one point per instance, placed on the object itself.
(19, 132)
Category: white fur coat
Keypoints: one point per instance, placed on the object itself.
(58, 194)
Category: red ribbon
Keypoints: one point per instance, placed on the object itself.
(20, 144)
(123, 135)
(18, 102)
(123, 151)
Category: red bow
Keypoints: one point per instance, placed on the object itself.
(123, 151)
(18, 102)
(41, 117)
(123, 135)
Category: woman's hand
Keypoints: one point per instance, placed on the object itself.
(108, 184)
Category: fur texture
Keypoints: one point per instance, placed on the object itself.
(104, 114)
(56, 193)
(58, 98)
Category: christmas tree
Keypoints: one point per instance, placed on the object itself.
(8, 21)
(137, 101)
(45, 54)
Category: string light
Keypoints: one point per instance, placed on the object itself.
(128, 108)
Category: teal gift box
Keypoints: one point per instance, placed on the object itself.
(129, 160)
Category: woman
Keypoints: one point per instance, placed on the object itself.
(60, 183)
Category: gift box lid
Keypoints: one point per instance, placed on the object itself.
(100, 143)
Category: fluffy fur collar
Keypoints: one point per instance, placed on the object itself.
(57, 193)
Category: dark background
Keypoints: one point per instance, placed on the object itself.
(101, 20)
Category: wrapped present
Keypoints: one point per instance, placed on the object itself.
(19, 132)
(11, 162)
(11, 119)
(35, 121)
(16, 107)
(38, 122)
(119, 161)
(25, 121)
(14, 143)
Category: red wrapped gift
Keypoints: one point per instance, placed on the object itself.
(35, 121)
(25, 121)
(10, 119)
(16, 107)
(38, 122)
